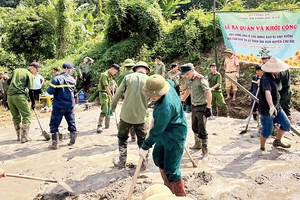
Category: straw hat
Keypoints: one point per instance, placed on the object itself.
(275, 65)
(156, 86)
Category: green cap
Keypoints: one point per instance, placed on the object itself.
(128, 63)
(156, 86)
(141, 64)
(228, 51)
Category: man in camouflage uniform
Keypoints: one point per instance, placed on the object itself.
(201, 104)
(134, 109)
(215, 81)
(17, 95)
(105, 95)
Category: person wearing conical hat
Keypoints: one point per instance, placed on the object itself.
(168, 133)
(232, 69)
(134, 110)
(269, 105)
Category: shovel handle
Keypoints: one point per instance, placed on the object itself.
(134, 179)
(30, 177)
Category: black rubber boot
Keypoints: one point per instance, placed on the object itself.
(73, 136)
(54, 142)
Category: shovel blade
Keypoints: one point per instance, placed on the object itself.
(46, 135)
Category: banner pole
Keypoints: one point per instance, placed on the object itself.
(215, 40)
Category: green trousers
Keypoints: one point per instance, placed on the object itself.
(168, 160)
(19, 109)
(105, 102)
(218, 99)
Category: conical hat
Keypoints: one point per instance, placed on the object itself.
(275, 65)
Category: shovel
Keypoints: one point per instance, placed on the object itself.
(44, 133)
(61, 183)
(245, 131)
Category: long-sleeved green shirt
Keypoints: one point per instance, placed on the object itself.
(134, 107)
(125, 72)
(21, 81)
(170, 126)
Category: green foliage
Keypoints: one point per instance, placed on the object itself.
(28, 35)
(9, 3)
(188, 37)
(170, 6)
(134, 18)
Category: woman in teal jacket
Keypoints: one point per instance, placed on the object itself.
(168, 132)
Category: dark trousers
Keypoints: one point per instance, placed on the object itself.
(199, 121)
(188, 101)
(86, 81)
(37, 93)
(58, 114)
(123, 133)
(177, 88)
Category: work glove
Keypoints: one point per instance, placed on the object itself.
(207, 112)
(237, 75)
(143, 153)
(273, 111)
(110, 112)
(32, 106)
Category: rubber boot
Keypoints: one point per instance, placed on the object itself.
(278, 143)
(60, 137)
(178, 188)
(107, 122)
(73, 136)
(18, 131)
(164, 177)
(145, 163)
(25, 133)
(54, 142)
(197, 144)
(122, 157)
(100, 121)
(132, 134)
(204, 148)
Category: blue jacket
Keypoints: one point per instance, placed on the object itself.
(62, 87)
(170, 125)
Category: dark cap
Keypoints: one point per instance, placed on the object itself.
(173, 65)
(116, 66)
(257, 67)
(186, 67)
(68, 65)
(212, 64)
(35, 64)
(159, 57)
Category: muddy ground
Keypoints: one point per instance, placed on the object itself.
(234, 169)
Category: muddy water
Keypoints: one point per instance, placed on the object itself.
(234, 169)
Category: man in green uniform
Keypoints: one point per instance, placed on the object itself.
(168, 133)
(201, 104)
(134, 109)
(215, 81)
(17, 95)
(85, 75)
(128, 64)
(174, 75)
(105, 95)
(160, 66)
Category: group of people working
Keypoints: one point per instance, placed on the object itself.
(169, 127)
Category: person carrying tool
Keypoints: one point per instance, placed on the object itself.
(17, 96)
(128, 64)
(269, 107)
(215, 81)
(105, 95)
(174, 75)
(134, 110)
(201, 97)
(2, 173)
(231, 66)
(62, 88)
(254, 87)
(85, 74)
(168, 133)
